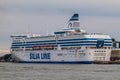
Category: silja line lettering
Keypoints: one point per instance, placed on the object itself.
(39, 55)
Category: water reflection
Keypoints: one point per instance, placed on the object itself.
(18, 71)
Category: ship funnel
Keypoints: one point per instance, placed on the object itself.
(74, 21)
(75, 17)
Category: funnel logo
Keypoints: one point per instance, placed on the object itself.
(70, 25)
(100, 43)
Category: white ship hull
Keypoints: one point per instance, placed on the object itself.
(53, 56)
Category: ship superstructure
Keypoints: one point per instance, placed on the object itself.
(70, 45)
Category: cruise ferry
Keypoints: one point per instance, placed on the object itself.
(69, 45)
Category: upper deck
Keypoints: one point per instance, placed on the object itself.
(72, 36)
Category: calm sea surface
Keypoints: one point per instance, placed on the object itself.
(19, 71)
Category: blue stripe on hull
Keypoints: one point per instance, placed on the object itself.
(64, 45)
(58, 62)
(63, 40)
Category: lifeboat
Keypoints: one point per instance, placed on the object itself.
(42, 47)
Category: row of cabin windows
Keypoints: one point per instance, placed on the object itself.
(99, 51)
(72, 48)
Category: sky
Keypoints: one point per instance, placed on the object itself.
(43, 16)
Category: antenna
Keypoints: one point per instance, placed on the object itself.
(47, 33)
(28, 30)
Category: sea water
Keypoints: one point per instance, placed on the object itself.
(22, 71)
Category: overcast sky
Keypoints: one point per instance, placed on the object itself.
(41, 16)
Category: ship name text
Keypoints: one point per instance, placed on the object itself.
(34, 55)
